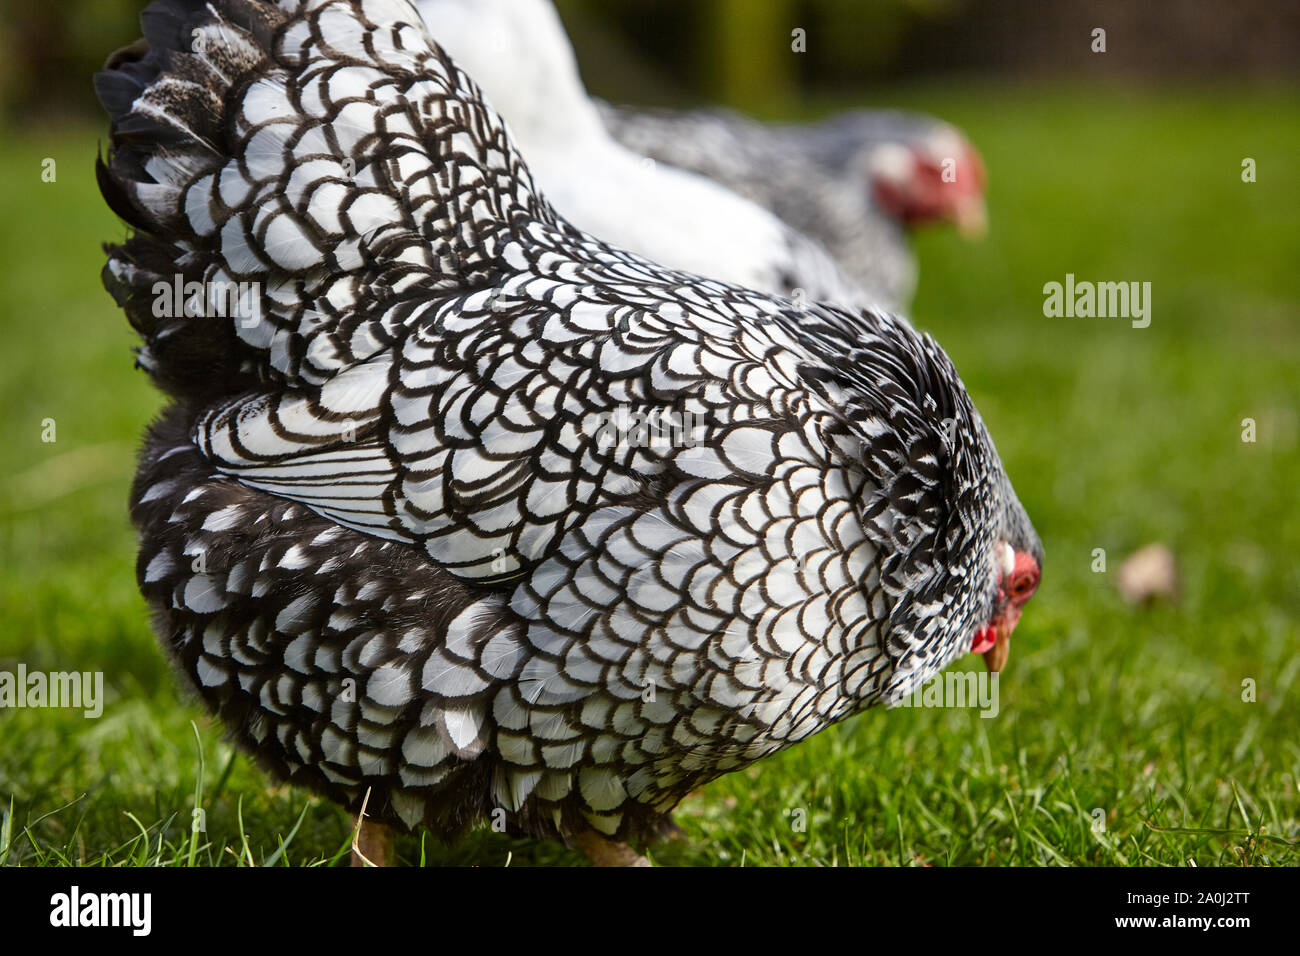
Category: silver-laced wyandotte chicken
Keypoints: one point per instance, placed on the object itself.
(456, 509)
(856, 182)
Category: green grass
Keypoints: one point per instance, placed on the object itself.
(1114, 437)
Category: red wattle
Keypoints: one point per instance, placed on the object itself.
(985, 638)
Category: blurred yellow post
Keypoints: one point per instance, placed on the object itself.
(754, 63)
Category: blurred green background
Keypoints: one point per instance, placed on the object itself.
(1117, 167)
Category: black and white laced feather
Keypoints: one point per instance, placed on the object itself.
(391, 526)
(521, 58)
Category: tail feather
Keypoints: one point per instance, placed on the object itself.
(188, 356)
(324, 154)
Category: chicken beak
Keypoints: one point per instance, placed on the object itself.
(972, 217)
(995, 658)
